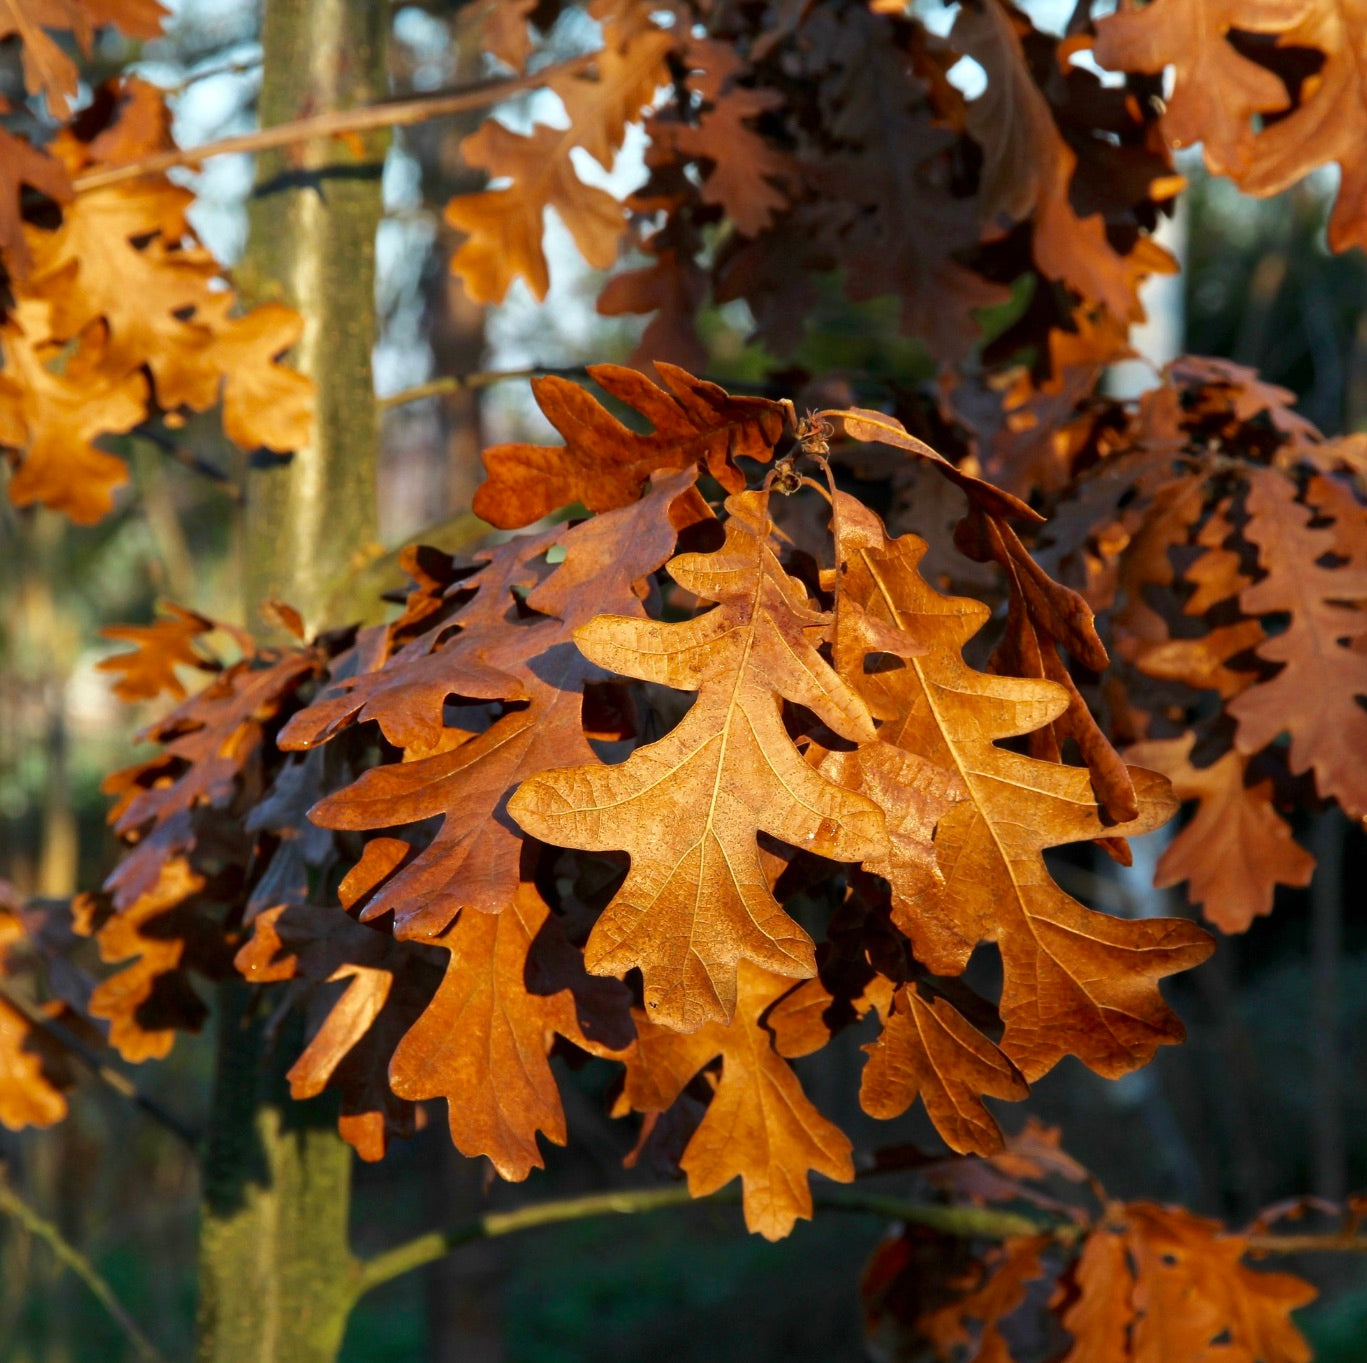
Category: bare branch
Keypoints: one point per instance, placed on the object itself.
(389, 114)
(70, 1257)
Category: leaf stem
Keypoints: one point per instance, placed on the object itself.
(396, 113)
(70, 1257)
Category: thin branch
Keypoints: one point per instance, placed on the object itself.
(240, 67)
(106, 1074)
(967, 1222)
(189, 459)
(397, 113)
(471, 383)
(70, 1257)
(964, 1222)
(1331, 1243)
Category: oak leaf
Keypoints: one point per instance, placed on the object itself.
(1216, 90)
(514, 982)
(474, 859)
(1028, 168)
(927, 1047)
(1314, 697)
(1237, 848)
(211, 750)
(759, 1124)
(1100, 1310)
(49, 419)
(47, 69)
(604, 464)
(505, 225)
(34, 1072)
(1192, 1288)
(1005, 1272)
(690, 807)
(22, 164)
(386, 985)
(1075, 981)
(151, 998)
(159, 649)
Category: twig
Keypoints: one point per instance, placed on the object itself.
(238, 67)
(470, 383)
(188, 459)
(1331, 1243)
(70, 1257)
(966, 1222)
(106, 1074)
(387, 114)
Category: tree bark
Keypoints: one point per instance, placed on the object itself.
(313, 222)
(276, 1273)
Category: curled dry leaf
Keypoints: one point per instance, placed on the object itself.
(604, 464)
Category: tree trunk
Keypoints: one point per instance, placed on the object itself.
(275, 1267)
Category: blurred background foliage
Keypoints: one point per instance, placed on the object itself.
(1265, 1100)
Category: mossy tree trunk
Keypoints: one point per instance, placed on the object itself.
(276, 1274)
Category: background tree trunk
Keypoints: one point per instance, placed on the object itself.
(275, 1268)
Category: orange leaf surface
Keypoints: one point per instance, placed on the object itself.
(150, 667)
(1099, 1316)
(689, 808)
(47, 69)
(1237, 849)
(150, 998)
(604, 464)
(474, 860)
(22, 164)
(513, 984)
(928, 1048)
(49, 420)
(759, 1124)
(505, 225)
(1075, 981)
(1216, 90)
(1192, 1289)
(32, 1075)
(1006, 1271)
(1314, 695)
(1029, 167)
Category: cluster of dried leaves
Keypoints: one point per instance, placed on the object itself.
(1112, 1282)
(535, 847)
(696, 782)
(113, 317)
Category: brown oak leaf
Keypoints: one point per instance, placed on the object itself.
(1314, 697)
(474, 859)
(514, 982)
(1075, 981)
(759, 1124)
(1237, 849)
(159, 649)
(689, 808)
(604, 464)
